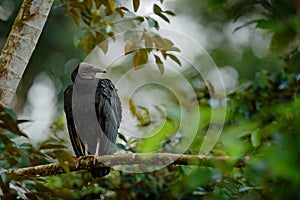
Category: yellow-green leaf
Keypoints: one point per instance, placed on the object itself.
(136, 4)
(130, 47)
(167, 43)
(148, 42)
(152, 23)
(159, 64)
(63, 156)
(102, 41)
(281, 40)
(169, 12)
(163, 17)
(132, 107)
(141, 113)
(156, 9)
(215, 4)
(51, 146)
(143, 116)
(140, 58)
(112, 4)
(256, 138)
(175, 59)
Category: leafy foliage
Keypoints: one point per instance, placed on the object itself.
(100, 20)
(278, 17)
(17, 155)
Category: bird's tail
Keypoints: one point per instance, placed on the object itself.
(100, 172)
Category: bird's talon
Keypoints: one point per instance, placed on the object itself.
(78, 161)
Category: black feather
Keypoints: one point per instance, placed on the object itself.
(87, 96)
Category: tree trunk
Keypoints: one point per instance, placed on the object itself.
(20, 45)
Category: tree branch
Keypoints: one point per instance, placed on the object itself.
(158, 159)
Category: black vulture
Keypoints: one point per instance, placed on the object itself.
(93, 113)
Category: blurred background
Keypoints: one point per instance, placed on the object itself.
(39, 97)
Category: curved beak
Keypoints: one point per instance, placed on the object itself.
(97, 70)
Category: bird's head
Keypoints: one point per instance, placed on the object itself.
(86, 71)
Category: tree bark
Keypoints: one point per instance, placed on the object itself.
(20, 45)
(161, 159)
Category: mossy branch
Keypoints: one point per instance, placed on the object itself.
(158, 159)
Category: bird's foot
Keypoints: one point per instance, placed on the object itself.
(84, 157)
(78, 161)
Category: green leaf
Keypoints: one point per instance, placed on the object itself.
(256, 138)
(20, 121)
(26, 145)
(143, 116)
(281, 40)
(122, 137)
(136, 4)
(158, 41)
(163, 17)
(86, 39)
(169, 12)
(271, 25)
(140, 58)
(63, 156)
(130, 15)
(159, 64)
(3, 177)
(112, 4)
(156, 9)
(121, 146)
(163, 53)
(169, 46)
(140, 19)
(141, 113)
(174, 58)
(132, 107)
(45, 146)
(130, 47)
(11, 135)
(215, 4)
(124, 8)
(152, 22)
(148, 41)
(8, 121)
(167, 43)
(11, 113)
(104, 46)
